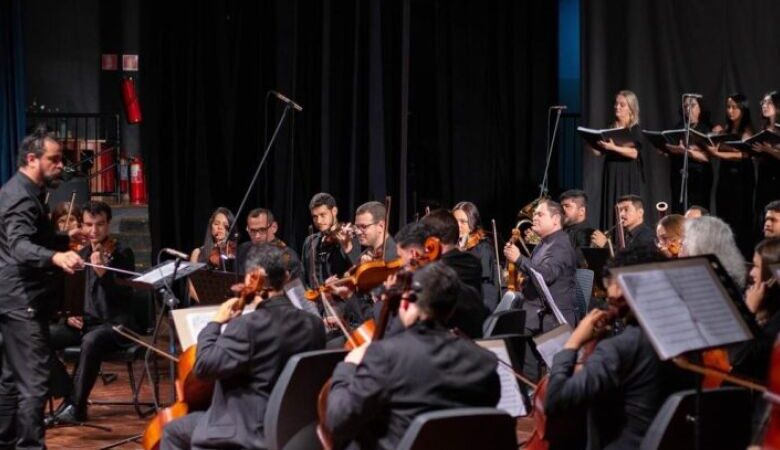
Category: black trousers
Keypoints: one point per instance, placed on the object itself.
(24, 379)
(96, 342)
(177, 435)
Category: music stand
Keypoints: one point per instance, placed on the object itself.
(212, 286)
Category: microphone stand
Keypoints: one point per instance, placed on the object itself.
(543, 186)
(684, 171)
(287, 108)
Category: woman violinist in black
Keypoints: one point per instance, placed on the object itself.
(474, 240)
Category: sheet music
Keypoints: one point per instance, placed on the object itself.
(551, 342)
(297, 295)
(682, 307)
(542, 285)
(511, 399)
(190, 322)
(164, 271)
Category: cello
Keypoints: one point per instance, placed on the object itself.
(192, 393)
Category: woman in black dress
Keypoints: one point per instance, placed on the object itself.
(474, 240)
(622, 164)
(768, 179)
(699, 168)
(736, 180)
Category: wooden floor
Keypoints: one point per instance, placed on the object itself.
(124, 422)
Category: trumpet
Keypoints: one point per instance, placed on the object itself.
(662, 208)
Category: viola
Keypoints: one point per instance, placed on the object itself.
(223, 250)
(107, 248)
(192, 393)
(330, 236)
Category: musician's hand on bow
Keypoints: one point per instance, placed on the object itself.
(357, 354)
(511, 252)
(598, 239)
(586, 330)
(77, 235)
(76, 322)
(227, 311)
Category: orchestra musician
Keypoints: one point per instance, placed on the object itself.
(29, 249)
(695, 211)
(711, 235)
(632, 216)
(555, 259)
(332, 248)
(262, 228)
(575, 221)
(772, 219)
(669, 235)
(382, 386)
(371, 231)
(216, 241)
(622, 382)
(63, 221)
(106, 303)
(245, 354)
(473, 239)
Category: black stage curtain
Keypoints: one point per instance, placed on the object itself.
(479, 75)
(661, 49)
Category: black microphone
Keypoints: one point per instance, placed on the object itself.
(176, 253)
(287, 100)
(692, 95)
(558, 107)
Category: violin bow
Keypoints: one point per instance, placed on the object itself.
(495, 248)
(70, 206)
(384, 230)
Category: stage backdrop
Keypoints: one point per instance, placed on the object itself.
(428, 101)
(661, 49)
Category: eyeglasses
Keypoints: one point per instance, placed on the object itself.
(364, 226)
(261, 230)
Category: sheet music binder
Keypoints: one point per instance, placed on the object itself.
(621, 136)
(544, 293)
(658, 140)
(746, 146)
(213, 286)
(684, 305)
(156, 277)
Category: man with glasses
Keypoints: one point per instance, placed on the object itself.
(262, 228)
(372, 233)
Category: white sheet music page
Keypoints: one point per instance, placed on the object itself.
(681, 305)
(551, 342)
(547, 296)
(511, 399)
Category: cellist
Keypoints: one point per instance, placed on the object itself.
(622, 382)
(245, 354)
(380, 387)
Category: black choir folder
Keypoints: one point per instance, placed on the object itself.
(684, 305)
(621, 137)
(659, 139)
(746, 146)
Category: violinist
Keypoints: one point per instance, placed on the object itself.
(669, 235)
(622, 383)
(554, 258)
(332, 248)
(63, 221)
(472, 239)
(696, 211)
(216, 249)
(106, 303)
(245, 354)
(371, 232)
(262, 228)
(382, 386)
(575, 221)
(470, 312)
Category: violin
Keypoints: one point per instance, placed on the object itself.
(223, 250)
(772, 395)
(391, 299)
(331, 236)
(106, 249)
(515, 279)
(473, 239)
(192, 393)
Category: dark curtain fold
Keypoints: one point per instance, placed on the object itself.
(661, 49)
(12, 95)
(481, 76)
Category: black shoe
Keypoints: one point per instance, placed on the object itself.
(67, 414)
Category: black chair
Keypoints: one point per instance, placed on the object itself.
(291, 414)
(505, 322)
(583, 291)
(724, 420)
(461, 429)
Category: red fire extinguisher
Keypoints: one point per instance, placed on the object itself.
(137, 184)
(124, 178)
(130, 100)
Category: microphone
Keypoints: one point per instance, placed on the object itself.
(176, 253)
(692, 95)
(287, 100)
(558, 107)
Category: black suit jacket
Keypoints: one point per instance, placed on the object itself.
(554, 258)
(424, 368)
(622, 383)
(641, 236)
(321, 261)
(292, 260)
(246, 360)
(27, 243)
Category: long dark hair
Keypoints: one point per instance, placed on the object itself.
(774, 96)
(745, 124)
(208, 239)
(472, 214)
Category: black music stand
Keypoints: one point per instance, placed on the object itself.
(212, 286)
